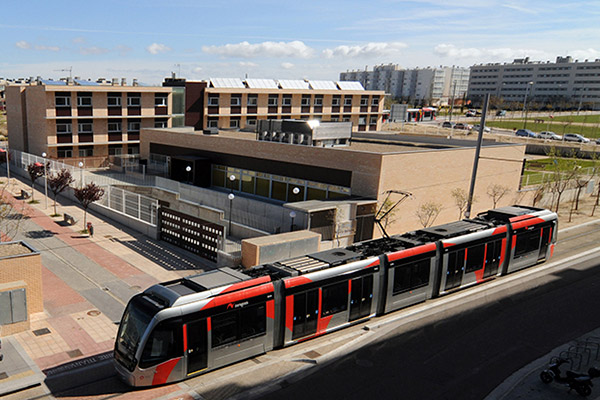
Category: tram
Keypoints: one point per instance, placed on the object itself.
(186, 327)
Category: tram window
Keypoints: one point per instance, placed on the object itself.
(165, 342)
(411, 276)
(335, 298)
(475, 258)
(527, 242)
(253, 321)
(224, 328)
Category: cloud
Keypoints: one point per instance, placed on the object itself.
(123, 50)
(287, 65)
(92, 50)
(23, 45)
(78, 40)
(294, 48)
(156, 48)
(451, 51)
(248, 64)
(367, 50)
(197, 70)
(47, 48)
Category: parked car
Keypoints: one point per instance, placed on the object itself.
(598, 141)
(575, 137)
(447, 124)
(460, 125)
(501, 113)
(471, 113)
(549, 135)
(485, 128)
(526, 133)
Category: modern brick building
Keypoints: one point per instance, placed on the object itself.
(74, 119)
(239, 104)
(312, 180)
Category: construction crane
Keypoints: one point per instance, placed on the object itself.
(70, 69)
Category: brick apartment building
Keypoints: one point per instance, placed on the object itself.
(239, 104)
(75, 119)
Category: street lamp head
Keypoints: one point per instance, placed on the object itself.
(292, 214)
(231, 196)
(188, 168)
(80, 164)
(232, 177)
(295, 190)
(44, 154)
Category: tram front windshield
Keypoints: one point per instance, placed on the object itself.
(135, 320)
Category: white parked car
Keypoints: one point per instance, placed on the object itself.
(575, 137)
(485, 128)
(549, 135)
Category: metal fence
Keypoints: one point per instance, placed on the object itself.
(132, 204)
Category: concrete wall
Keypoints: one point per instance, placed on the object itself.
(273, 248)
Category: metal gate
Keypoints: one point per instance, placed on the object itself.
(191, 233)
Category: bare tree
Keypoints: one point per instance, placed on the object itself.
(58, 182)
(461, 199)
(497, 192)
(11, 215)
(385, 211)
(563, 172)
(36, 170)
(428, 212)
(87, 195)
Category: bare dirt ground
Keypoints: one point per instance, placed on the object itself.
(580, 216)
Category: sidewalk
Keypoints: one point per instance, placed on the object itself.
(86, 283)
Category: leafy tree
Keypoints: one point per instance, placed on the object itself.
(428, 212)
(36, 170)
(497, 192)
(58, 182)
(87, 195)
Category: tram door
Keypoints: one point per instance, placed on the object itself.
(197, 346)
(361, 297)
(545, 240)
(492, 258)
(306, 312)
(456, 262)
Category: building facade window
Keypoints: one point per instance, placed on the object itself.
(318, 101)
(364, 101)
(85, 126)
(213, 123)
(161, 99)
(305, 100)
(114, 126)
(134, 100)
(235, 101)
(252, 100)
(114, 100)
(86, 151)
(375, 101)
(63, 127)
(84, 100)
(286, 101)
(160, 123)
(335, 101)
(213, 100)
(348, 100)
(272, 100)
(62, 100)
(115, 149)
(234, 123)
(133, 126)
(65, 152)
(251, 121)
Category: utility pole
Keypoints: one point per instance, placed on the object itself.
(477, 151)
(529, 84)
(452, 101)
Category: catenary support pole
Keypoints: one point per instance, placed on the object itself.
(477, 151)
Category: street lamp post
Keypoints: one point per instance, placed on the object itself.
(81, 173)
(188, 169)
(44, 155)
(529, 84)
(292, 216)
(230, 196)
(580, 100)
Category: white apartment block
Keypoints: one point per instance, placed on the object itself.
(566, 80)
(419, 85)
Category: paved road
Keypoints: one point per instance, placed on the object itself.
(466, 356)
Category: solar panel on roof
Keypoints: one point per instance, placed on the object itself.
(293, 84)
(350, 85)
(54, 83)
(323, 85)
(261, 83)
(84, 83)
(227, 83)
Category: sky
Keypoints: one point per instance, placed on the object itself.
(308, 39)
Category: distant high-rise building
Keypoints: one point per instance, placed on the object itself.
(418, 85)
(561, 82)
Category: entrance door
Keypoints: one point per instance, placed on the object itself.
(197, 346)
(306, 312)
(456, 262)
(361, 297)
(545, 239)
